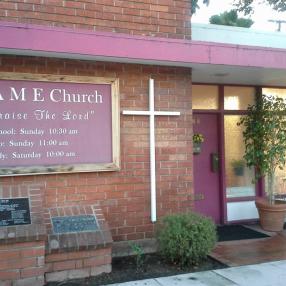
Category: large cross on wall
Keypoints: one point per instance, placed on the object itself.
(152, 113)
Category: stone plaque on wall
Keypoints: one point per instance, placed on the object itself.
(80, 223)
(15, 211)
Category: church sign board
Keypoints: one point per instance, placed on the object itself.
(58, 124)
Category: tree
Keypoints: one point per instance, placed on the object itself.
(230, 19)
(196, 6)
(246, 6)
(265, 138)
(265, 150)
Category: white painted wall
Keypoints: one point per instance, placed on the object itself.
(238, 36)
(241, 211)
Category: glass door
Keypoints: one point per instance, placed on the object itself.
(235, 198)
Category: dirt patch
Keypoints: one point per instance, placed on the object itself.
(124, 270)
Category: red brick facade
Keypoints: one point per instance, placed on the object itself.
(25, 261)
(160, 18)
(71, 265)
(125, 195)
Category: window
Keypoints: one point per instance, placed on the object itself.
(238, 98)
(239, 178)
(205, 97)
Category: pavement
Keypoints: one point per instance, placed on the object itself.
(264, 274)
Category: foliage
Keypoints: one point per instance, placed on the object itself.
(265, 137)
(230, 18)
(196, 6)
(198, 138)
(186, 239)
(246, 6)
(137, 250)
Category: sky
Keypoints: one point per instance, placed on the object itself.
(262, 14)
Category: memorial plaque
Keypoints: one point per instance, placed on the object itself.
(79, 223)
(14, 212)
(58, 125)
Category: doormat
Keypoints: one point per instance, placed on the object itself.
(237, 232)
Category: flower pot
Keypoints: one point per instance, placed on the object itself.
(271, 216)
(196, 148)
(238, 171)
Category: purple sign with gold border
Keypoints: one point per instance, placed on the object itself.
(52, 124)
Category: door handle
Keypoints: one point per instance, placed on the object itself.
(214, 162)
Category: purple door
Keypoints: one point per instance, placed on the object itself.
(206, 169)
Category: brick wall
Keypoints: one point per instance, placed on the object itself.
(125, 195)
(71, 265)
(162, 18)
(22, 261)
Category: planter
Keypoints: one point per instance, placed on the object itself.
(238, 171)
(197, 148)
(271, 216)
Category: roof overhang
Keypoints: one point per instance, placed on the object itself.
(211, 62)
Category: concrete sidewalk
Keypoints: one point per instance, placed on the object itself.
(264, 274)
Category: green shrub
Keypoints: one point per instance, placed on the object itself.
(186, 239)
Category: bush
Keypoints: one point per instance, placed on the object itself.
(186, 239)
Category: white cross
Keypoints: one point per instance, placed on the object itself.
(151, 113)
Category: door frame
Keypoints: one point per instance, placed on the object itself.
(221, 149)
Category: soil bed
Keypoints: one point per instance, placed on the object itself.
(124, 270)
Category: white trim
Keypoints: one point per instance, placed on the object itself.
(237, 211)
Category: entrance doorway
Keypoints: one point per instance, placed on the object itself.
(224, 189)
(206, 167)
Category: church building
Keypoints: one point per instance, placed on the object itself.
(99, 103)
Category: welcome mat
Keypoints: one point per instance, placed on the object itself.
(237, 232)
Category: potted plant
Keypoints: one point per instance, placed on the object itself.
(265, 150)
(198, 139)
(238, 167)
